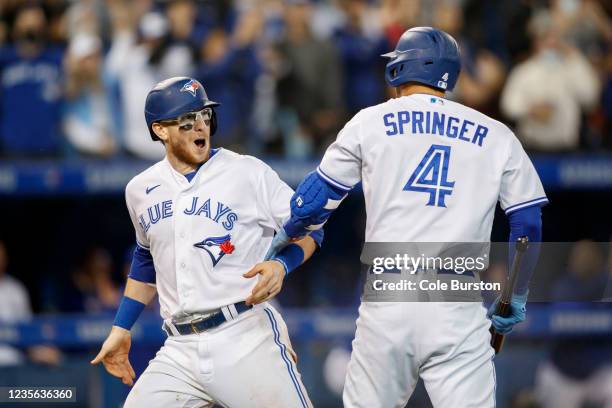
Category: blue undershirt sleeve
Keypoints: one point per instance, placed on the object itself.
(525, 222)
(142, 268)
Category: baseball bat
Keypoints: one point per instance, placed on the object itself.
(503, 307)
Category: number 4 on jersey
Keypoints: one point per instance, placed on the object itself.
(431, 176)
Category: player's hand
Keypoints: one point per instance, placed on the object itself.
(114, 355)
(270, 282)
(518, 310)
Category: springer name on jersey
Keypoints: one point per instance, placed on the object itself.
(447, 167)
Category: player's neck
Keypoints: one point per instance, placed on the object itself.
(411, 89)
(182, 167)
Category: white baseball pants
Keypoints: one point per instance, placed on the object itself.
(246, 362)
(446, 344)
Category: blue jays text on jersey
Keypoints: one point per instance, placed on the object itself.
(219, 213)
(434, 123)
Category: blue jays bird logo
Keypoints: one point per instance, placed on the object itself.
(224, 243)
(191, 87)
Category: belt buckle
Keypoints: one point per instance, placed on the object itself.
(194, 322)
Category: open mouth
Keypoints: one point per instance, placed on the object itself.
(201, 143)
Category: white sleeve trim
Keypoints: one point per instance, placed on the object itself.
(530, 203)
(142, 246)
(332, 181)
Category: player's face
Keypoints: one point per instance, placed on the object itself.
(188, 138)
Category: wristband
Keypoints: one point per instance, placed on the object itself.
(128, 312)
(291, 257)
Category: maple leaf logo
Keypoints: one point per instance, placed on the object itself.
(227, 247)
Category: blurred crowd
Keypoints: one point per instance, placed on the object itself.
(289, 73)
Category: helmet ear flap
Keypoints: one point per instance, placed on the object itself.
(394, 71)
(397, 70)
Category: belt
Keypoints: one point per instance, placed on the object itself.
(206, 323)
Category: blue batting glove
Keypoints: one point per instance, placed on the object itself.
(518, 310)
(311, 205)
(296, 227)
(281, 240)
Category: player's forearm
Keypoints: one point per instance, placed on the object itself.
(298, 252)
(308, 245)
(136, 296)
(139, 291)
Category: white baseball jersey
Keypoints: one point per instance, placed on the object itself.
(432, 170)
(204, 234)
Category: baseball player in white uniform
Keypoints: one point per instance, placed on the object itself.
(204, 219)
(432, 170)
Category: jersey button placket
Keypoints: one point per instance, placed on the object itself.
(180, 249)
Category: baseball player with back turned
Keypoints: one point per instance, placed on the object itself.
(204, 219)
(432, 170)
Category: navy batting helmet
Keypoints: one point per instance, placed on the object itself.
(425, 55)
(171, 98)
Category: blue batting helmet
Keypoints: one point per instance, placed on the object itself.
(171, 98)
(425, 55)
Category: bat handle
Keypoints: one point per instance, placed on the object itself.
(522, 243)
(497, 340)
(504, 306)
